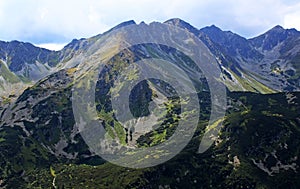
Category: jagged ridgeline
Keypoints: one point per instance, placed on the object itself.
(267, 63)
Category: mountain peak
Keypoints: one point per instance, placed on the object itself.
(182, 24)
(273, 37)
(280, 30)
(126, 23)
(276, 29)
(213, 27)
(175, 21)
(289, 32)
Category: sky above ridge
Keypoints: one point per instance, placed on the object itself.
(53, 23)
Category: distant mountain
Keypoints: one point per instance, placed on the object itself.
(274, 37)
(267, 63)
(23, 64)
(281, 50)
(233, 44)
(271, 59)
(27, 61)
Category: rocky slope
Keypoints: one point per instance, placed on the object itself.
(265, 64)
(271, 59)
(258, 146)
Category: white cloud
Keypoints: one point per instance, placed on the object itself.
(292, 20)
(52, 46)
(292, 17)
(56, 21)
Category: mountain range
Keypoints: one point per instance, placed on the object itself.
(257, 147)
(265, 64)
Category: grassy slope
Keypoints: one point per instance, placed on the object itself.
(8, 75)
(251, 131)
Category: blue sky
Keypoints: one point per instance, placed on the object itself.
(53, 23)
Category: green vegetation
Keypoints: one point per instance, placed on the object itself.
(7, 74)
(46, 145)
(52, 171)
(249, 84)
(84, 176)
(255, 126)
(120, 132)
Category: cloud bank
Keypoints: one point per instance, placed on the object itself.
(59, 21)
